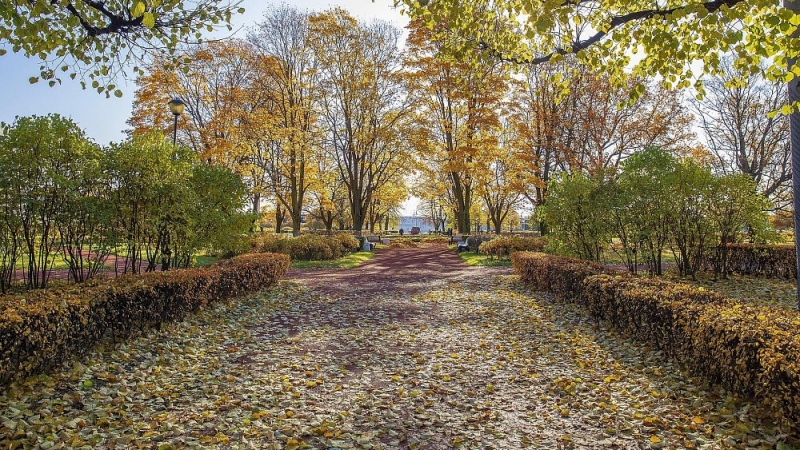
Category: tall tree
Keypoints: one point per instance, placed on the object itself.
(741, 134)
(362, 103)
(215, 88)
(97, 40)
(457, 103)
(329, 192)
(542, 117)
(500, 180)
(223, 109)
(286, 82)
(609, 128)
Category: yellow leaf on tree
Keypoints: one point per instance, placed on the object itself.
(148, 19)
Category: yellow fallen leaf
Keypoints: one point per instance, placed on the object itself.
(698, 420)
(655, 439)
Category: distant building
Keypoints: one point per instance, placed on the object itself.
(407, 222)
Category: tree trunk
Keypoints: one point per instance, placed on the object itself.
(327, 219)
(256, 203)
(280, 215)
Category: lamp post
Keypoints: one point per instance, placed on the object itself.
(176, 107)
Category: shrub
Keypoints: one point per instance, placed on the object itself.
(41, 329)
(558, 274)
(761, 260)
(502, 246)
(750, 350)
(270, 243)
(347, 242)
(310, 247)
(443, 240)
(474, 242)
(403, 243)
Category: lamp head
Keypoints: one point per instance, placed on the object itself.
(176, 106)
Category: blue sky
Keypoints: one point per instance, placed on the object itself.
(104, 119)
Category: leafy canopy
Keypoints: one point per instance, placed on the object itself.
(97, 40)
(653, 37)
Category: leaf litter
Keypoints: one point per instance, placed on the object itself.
(476, 361)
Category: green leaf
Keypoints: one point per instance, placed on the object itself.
(33, 80)
(149, 20)
(138, 9)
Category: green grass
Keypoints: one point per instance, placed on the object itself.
(203, 261)
(612, 257)
(345, 262)
(477, 259)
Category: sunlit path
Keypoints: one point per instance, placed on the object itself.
(438, 355)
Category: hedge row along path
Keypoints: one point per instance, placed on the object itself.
(412, 350)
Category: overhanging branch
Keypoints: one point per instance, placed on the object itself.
(616, 22)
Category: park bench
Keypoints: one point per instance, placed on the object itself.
(462, 245)
(373, 240)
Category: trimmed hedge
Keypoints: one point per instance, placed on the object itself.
(308, 247)
(762, 260)
(41, 329)
(503, 246)
(750, 350)
(558, 274)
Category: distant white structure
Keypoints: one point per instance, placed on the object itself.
(408, 222)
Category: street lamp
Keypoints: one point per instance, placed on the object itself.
(176, 107)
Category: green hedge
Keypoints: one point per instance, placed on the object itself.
(753, 351)
(41, 329)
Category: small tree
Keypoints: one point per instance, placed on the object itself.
(734, 206)
(576, 212)
(691, 229)
(43, 160)
(642, 209)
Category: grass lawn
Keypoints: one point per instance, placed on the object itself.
(478, 259)
(205, 260)
(345, 262)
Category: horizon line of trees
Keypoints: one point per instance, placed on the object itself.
(323, 115)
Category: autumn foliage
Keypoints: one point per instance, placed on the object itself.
(748, 349)
(44, 328)
(503, 246)
(308, 247)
